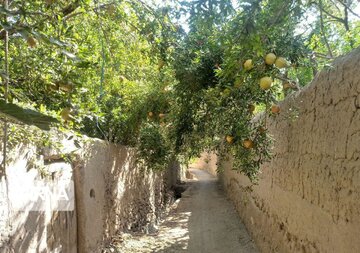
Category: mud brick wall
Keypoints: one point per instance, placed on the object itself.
(308, 196)
(111, 194)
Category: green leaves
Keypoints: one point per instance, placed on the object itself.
(112, 63)
(16, 113)
(215, 90)
(152, 148)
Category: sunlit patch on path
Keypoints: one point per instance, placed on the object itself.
(203, 221)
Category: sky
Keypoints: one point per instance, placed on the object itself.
(160, 2)
(307, 21)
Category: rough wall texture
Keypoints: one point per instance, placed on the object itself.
(114, 195)
(24, 230)
(207, 161)
(308, 196)
(111, 195)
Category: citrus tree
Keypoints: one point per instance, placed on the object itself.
(98, 67)
(169, 78)
(240, 59)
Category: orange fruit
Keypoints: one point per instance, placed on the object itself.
(261, 130)
(275, 109)
(281, 63)
(248, 144)
(265, 83)
(270, 59)
(287, 86)
(229, 139)
(66, 87)
(31, 42)
(66, 114)
(161, 64)
(248, 64)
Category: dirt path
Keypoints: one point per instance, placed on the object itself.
(203, 222)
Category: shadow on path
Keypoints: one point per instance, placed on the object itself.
(203, 222)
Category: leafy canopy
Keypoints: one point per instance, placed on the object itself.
(173, 78)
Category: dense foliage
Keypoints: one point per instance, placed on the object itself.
(136, 73)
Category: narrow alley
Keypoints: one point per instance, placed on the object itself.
(203, 222)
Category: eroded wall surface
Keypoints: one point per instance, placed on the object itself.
(308, 196)
(111, 194)
(114, 195)
(26, 226)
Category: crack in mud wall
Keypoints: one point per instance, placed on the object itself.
(308, 196)
(111, 195)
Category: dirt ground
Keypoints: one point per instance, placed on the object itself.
(204, 221)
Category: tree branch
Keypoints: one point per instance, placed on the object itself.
(70, 8)
(349, 9)
(334, 4)
(294, 84)
(74, 14)
(322, 9)
(324, 56)
(323, 29)
(331, 15)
